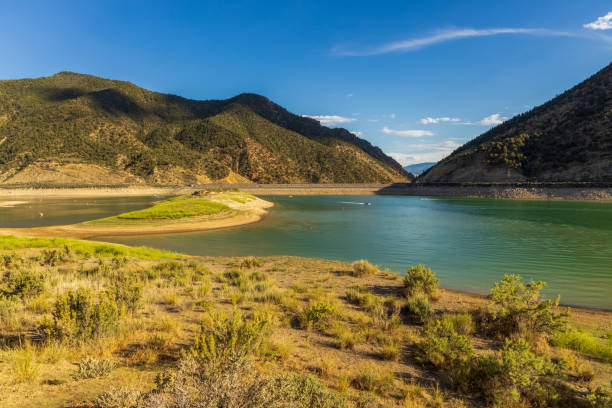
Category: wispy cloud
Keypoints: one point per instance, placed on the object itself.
(602, 23)
(407, 133)
(442, 36)
(428, 121)
(330, 120)
(492, 120)
(357, 133)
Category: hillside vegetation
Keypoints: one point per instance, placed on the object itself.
(79, 129)
(568, 139)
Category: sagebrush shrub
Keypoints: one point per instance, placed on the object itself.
(251, 262)
(77, 315)
(318, 315)
(235, 384)
(127, 292)
(514, 377)
(417, 309)
(443, 347)
(21, 284)
(363, 268)
(421, 281)
(93, 368)
(224, 338)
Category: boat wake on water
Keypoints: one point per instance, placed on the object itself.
(354, 202)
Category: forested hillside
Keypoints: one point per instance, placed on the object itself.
(79, 129)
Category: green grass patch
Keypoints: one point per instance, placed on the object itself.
(9, 242)
(175, 208)
(582, 341)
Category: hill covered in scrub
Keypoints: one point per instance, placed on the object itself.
(568, 139)
(79, 129)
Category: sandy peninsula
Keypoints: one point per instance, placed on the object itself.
(181, 214)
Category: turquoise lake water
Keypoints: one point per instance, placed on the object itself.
(469, 243)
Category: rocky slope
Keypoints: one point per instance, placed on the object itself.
(568, 139)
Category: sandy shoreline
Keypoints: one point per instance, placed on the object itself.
(578, 193)
(241, 214)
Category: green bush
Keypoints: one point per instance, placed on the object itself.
(521, 311)
(77, 316)
(421, 281)
(515, 377)
(93, 368)
(318, 315)
(601, 397)
(127, 292)
(299, 391)
(444, 348)
(251, 262)
(21, 285)
(53, 257)
(224, 338)
(461, 323)
(363, 268)
(417, 309)
(373, 380)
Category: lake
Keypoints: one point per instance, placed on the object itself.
(469, 243)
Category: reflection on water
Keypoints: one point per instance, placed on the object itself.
(40, 211)
(470, 243)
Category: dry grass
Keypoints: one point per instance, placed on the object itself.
(344, 329)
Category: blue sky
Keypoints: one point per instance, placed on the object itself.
(415, 78)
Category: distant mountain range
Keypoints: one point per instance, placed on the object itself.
(418, 168)
(568, 139)
(80, 129)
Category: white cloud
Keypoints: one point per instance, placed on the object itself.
(428, 121)
(492, 120)
(425, 152)
(392, 116)
(373, 120)
(349, 95)
(442, 36)
(602, 23)
(407, 133)
(357, 133)
(330, 120)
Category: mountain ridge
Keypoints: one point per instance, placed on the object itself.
(566, 139)
(51, 124)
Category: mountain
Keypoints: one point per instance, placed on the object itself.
(568, 139)
(80, 129)
(419, 168)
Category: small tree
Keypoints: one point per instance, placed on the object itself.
(522, 311)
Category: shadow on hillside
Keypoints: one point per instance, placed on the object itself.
(63, 94)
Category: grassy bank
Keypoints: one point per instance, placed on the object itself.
(198, 204)
(101, 325)
(197, 211)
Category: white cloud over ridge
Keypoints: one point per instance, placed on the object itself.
(493, 120)
(602, 23)
(425, 152)
(442, 36)
(429, 121)
(407, 133)
(330, 120)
